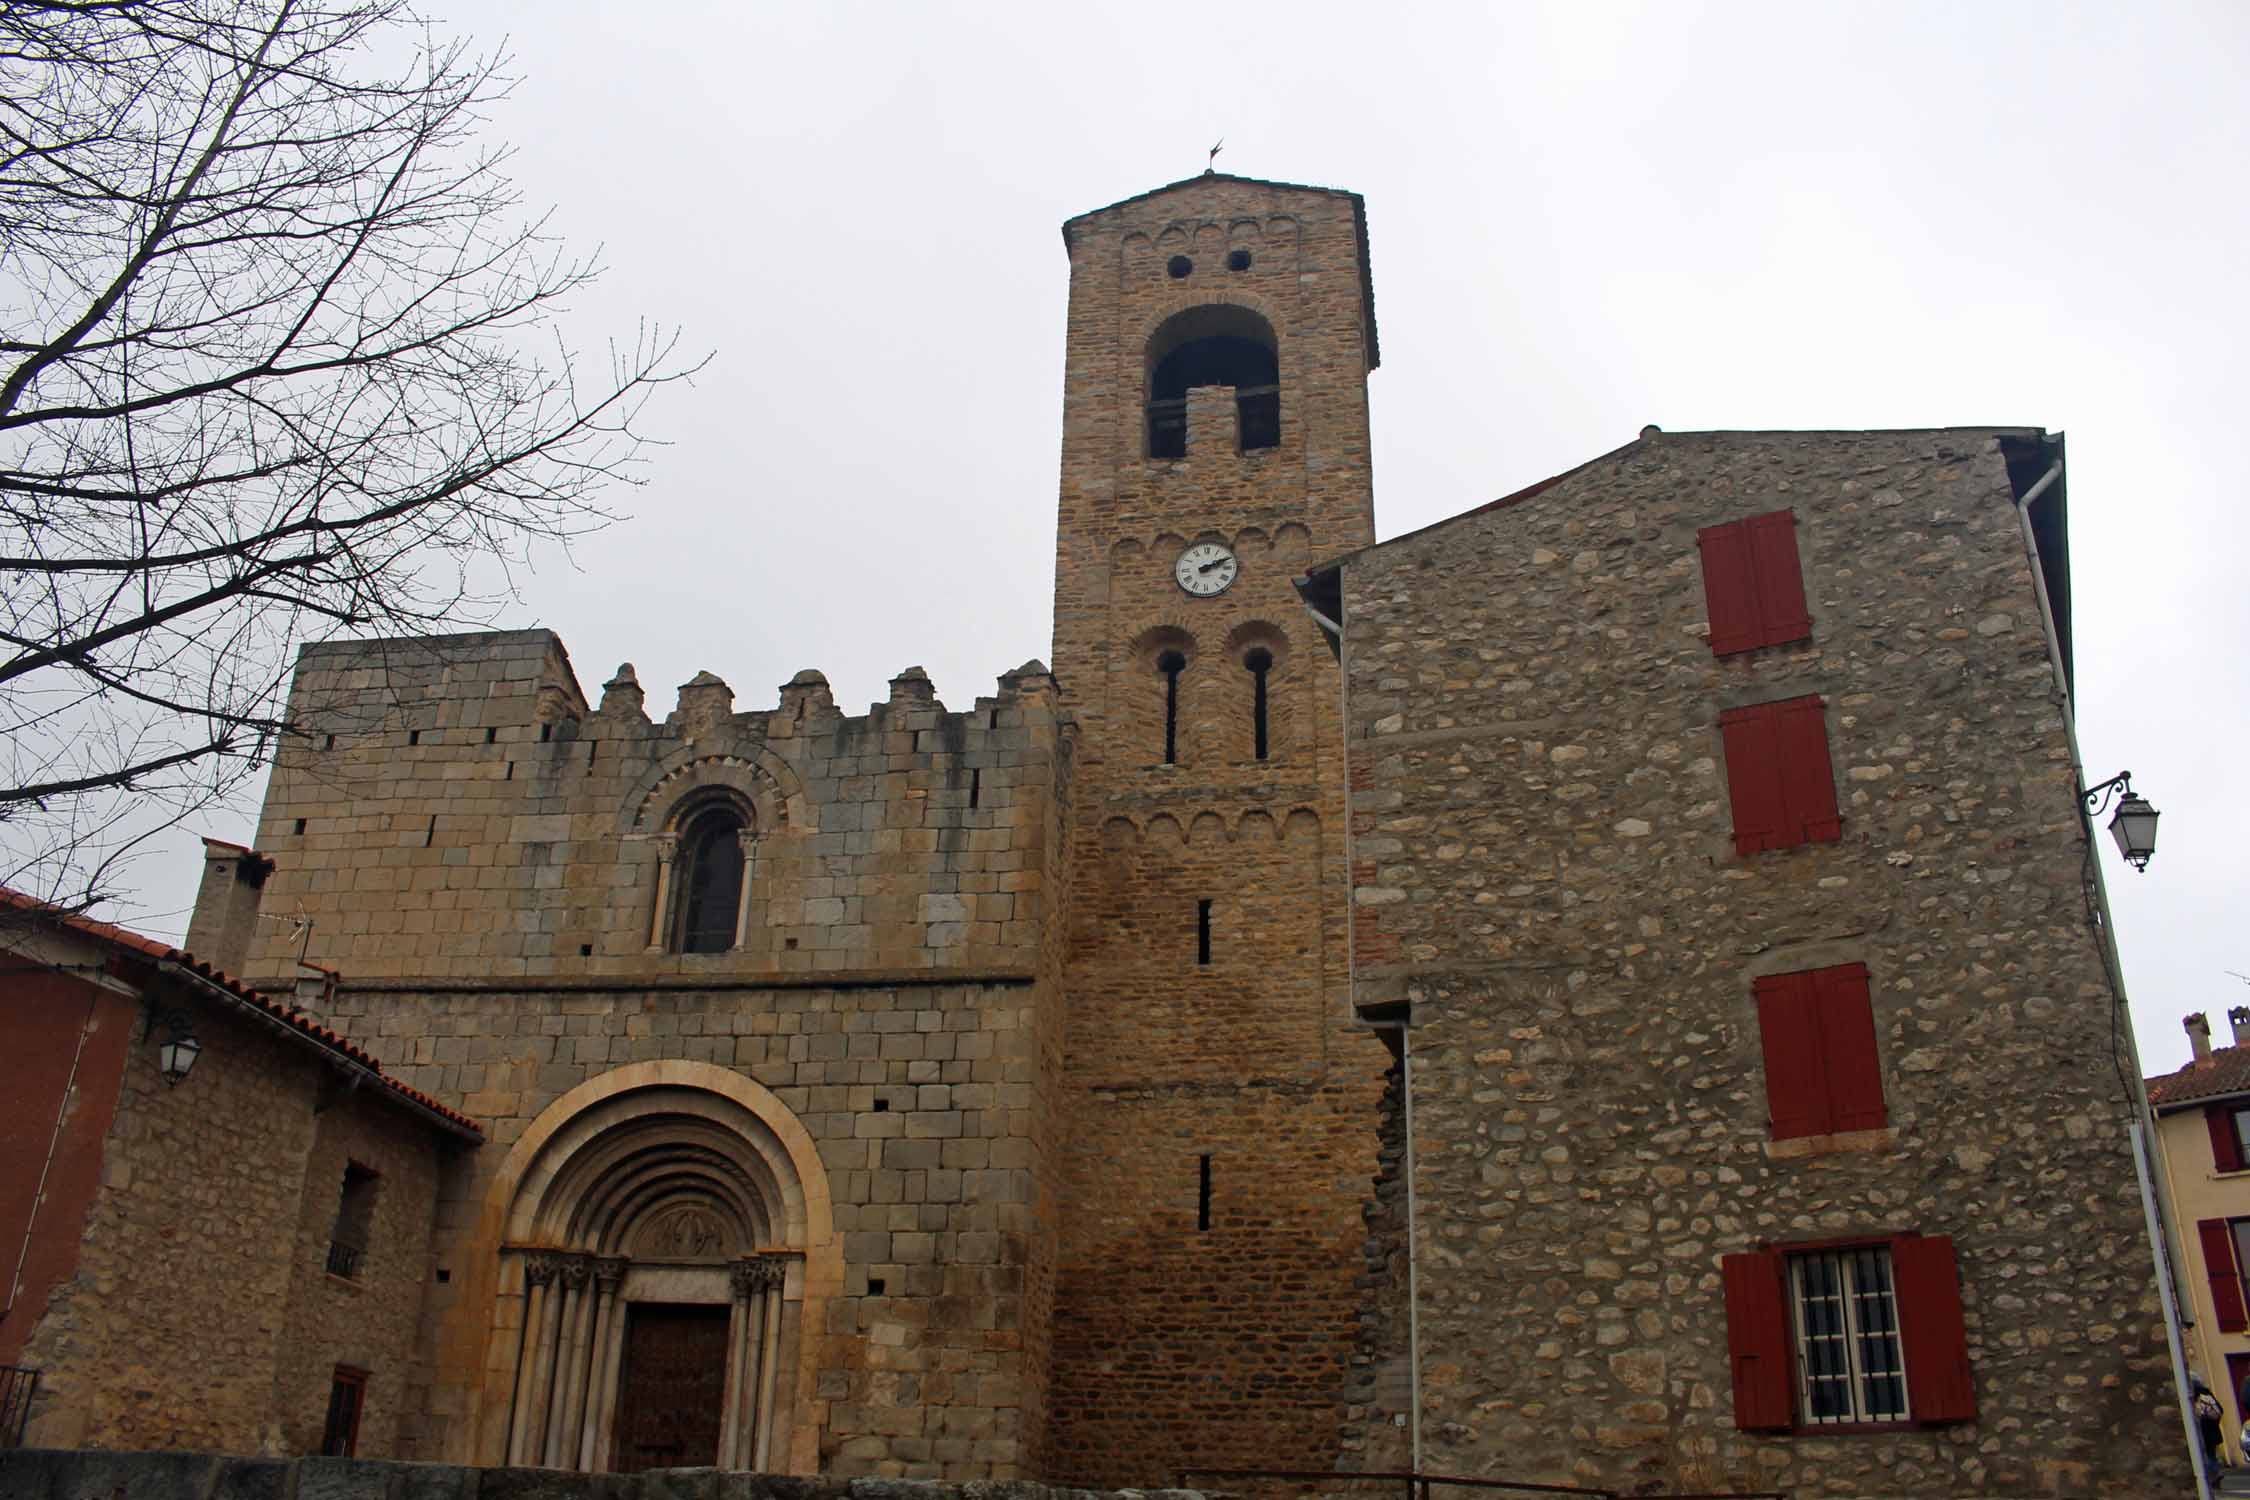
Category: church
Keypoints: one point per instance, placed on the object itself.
(1596, 991)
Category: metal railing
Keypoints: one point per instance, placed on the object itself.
(18, 1384)
(343, 1259)
(1416, 1484)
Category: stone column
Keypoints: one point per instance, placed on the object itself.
(667, 857)
(527, 1427)
(601, 1375)
(749, 840)
(608, 1368)
(773, 1274)
(572, 1277)
(736, 1418)
(577, 1354)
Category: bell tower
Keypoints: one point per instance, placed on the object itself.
(1217, 1099)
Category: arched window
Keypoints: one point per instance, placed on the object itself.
(1217, 344)
(710, 863)
(1169, 666)
(1258, 662)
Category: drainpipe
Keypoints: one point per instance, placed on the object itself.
(2155, 1199)
(1335, 631)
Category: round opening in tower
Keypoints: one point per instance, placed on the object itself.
(1217, 344)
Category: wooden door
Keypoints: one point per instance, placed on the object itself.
(673, 1387)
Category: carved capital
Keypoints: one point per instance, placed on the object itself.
(667, 847)
(609, 1270)
(540, 1266)
(576, 1271)
(742, 1279)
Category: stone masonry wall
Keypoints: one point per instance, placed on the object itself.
(1181, 1338)
(370, 1320)
(932, 1194)
(1543, 867)
(183, 1326)
(61, 1474)
(482, 857)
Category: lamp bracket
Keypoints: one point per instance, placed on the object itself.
(2097, 797)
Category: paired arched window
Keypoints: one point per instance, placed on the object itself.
(1213, 345)
(711, 868)
(1241, 718)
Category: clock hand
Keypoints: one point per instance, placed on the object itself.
(1212, 566)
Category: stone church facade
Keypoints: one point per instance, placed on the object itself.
(1023, 1090)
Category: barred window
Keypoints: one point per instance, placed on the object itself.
(1851, 1367)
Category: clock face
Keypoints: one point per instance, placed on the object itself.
(1205, 569)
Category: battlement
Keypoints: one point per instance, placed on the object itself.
(421, 687)
(455, 807)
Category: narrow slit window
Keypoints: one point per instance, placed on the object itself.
(1203, 931)
(414, 736)
(546, 732)
(1203, 1192)
(1259, 662)
(355, 1222)
(300, 825)
(490, 734)
(429, 834)
(328, 743)
(976, 786)
(1171, 664)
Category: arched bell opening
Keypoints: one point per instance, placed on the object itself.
(652, 1289)
(1215, 344)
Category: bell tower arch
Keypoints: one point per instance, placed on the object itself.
(1218, 1098)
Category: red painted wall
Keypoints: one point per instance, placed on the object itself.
(44, 1017)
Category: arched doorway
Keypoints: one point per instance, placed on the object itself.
(656, 1276)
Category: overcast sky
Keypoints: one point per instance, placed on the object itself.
(1584, 218)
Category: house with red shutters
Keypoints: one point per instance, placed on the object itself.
(1716, 848)
(2203, 1143)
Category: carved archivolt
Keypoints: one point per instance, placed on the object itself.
(759, 780)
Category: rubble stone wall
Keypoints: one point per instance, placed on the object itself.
(1543, 866)
(200, 1314)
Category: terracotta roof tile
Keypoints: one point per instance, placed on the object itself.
(2225, 1071)
(311, 1031)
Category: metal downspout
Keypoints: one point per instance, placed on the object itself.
(2141, 1135)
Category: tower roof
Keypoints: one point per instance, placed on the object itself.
(1201, 179)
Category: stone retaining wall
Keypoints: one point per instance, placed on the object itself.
(66, 1474)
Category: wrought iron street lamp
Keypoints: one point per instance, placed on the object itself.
(176, 1056)
(2134, 826)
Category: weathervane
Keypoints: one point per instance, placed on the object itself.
(1211, 164)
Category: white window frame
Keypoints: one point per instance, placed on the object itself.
(1860, 1313)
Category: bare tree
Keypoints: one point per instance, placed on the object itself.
(274, 366)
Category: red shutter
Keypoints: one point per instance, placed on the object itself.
(2226, 1280)
(1782, 616)
(1754, 779)
(1939, 1387)
(1730, 588)
(1789, 1032)
(1847, 1047)
(1758, 1340)
(2226, 1151)
(1808, 781)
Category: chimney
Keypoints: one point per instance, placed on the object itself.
(226, 905)
(2199, 1035)
(2239, 1019)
